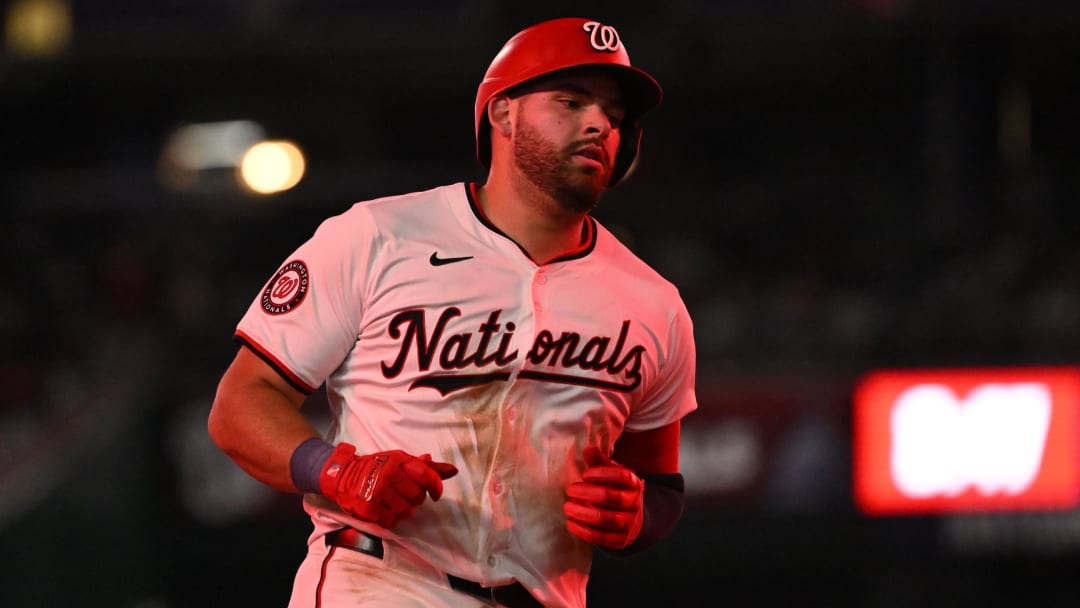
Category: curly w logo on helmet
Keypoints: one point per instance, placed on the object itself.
(603, 37)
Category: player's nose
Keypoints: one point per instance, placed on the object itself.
(597, 120)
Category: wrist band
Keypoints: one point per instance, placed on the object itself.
(664, 502)
(307, 462)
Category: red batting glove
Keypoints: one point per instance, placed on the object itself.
(384, 487)
(606, 507)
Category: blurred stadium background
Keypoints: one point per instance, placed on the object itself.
(836, 186)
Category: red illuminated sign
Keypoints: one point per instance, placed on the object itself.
(951, 440)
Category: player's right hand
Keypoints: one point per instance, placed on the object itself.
(384, 487)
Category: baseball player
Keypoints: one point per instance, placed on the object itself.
(506, 379)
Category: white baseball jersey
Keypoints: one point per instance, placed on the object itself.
(435, 333)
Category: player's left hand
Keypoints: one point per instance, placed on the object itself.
(605, 508)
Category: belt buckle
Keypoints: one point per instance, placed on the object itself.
(356, 540)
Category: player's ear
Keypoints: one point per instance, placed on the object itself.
(498, 114)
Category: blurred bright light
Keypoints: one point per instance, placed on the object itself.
(272, 166)
(37, 28)
(195, 148)
(212, 144)
(195, 155)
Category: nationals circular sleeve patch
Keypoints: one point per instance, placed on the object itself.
(287, 289)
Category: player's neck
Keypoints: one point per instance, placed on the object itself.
(539, 224)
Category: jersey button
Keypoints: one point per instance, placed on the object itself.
(491, 561)
(511, 413)
(541, 279)
(497, 487)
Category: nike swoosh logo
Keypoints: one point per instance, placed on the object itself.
(437, 261)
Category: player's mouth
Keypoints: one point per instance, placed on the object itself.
(592, 153)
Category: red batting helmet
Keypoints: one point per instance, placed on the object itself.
(566, 43)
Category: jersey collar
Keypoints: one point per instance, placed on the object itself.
(588, 230)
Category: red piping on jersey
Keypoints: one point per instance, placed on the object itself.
(322, 577)
(275, 363)
(588, 230)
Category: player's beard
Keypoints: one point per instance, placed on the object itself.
(553, 171)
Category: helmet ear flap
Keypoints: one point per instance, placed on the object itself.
(626, 157)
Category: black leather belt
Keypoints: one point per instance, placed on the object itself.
(511, 596)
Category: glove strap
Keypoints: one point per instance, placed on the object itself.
(330, 475)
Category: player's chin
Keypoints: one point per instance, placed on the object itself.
(590, 166)
(593, 176)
